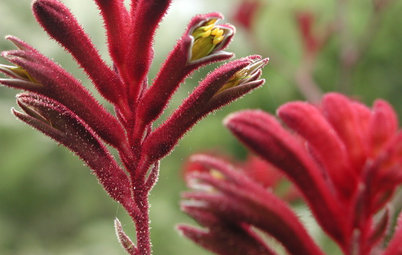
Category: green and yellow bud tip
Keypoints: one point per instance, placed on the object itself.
(243, 75)
(17, 72)
(206, 38)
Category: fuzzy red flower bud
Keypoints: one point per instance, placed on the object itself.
(235, 198)
(348, 155)
(58, 122)
(179, 64)
(36, 73)
(146, 15)
(232, 79)
(60, 24)
(117, 20)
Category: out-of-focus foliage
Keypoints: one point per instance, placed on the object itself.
(49, 202)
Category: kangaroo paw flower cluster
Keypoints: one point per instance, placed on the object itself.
(57, 104)
(344, 158)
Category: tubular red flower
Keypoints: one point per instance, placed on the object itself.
(64, 110)
(117, 20)
(221, 237)
(202, 101)
(264, 135)
(58, 122)
(327, 147)
(54, 82)
(60, 24)
(175, 69)
(236, 198)
(347, 163)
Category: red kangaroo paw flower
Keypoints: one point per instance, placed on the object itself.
(36, 73)
(60, 24)
(327, 147)
(235, 197)
(221, 237)
(117, 20)
(239, 75)
(145, 20)
(348, 165)
(58, 122)
(344, 118)
(264, 135)
(62, 108)
(197, 40)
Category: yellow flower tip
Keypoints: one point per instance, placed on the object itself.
(207, 37)
(217, 175)
(17, 72)
(243, 75)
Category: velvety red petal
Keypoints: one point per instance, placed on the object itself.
(308, 121)
(55, 82)
(60, 24)
(117, 23)
(383, 125)
(344, 117)
(59, 123)
(264, 135)
(145, 20)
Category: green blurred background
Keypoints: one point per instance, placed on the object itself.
(49, 201)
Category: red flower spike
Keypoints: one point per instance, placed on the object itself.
(224, 238)
(343, 139)
(117, 20)
(38, 74)
(178, 66)
(58, 122)
(264, 135)
(148, 14)
(328, 147)
(60, 24)
(63, 109)
(236, 198)
(238, 73)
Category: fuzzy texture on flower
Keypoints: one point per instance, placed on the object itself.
(60, 107)
(255, 168)
(60, 24)
(177, 67)
(345, 159)
(36, 73)
(58, 122)
(206, 98)
(237, 201)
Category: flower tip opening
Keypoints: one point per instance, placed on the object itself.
(246, 75)
(208, 37)
(17, 42)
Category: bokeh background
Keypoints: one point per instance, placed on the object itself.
(49, 201)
